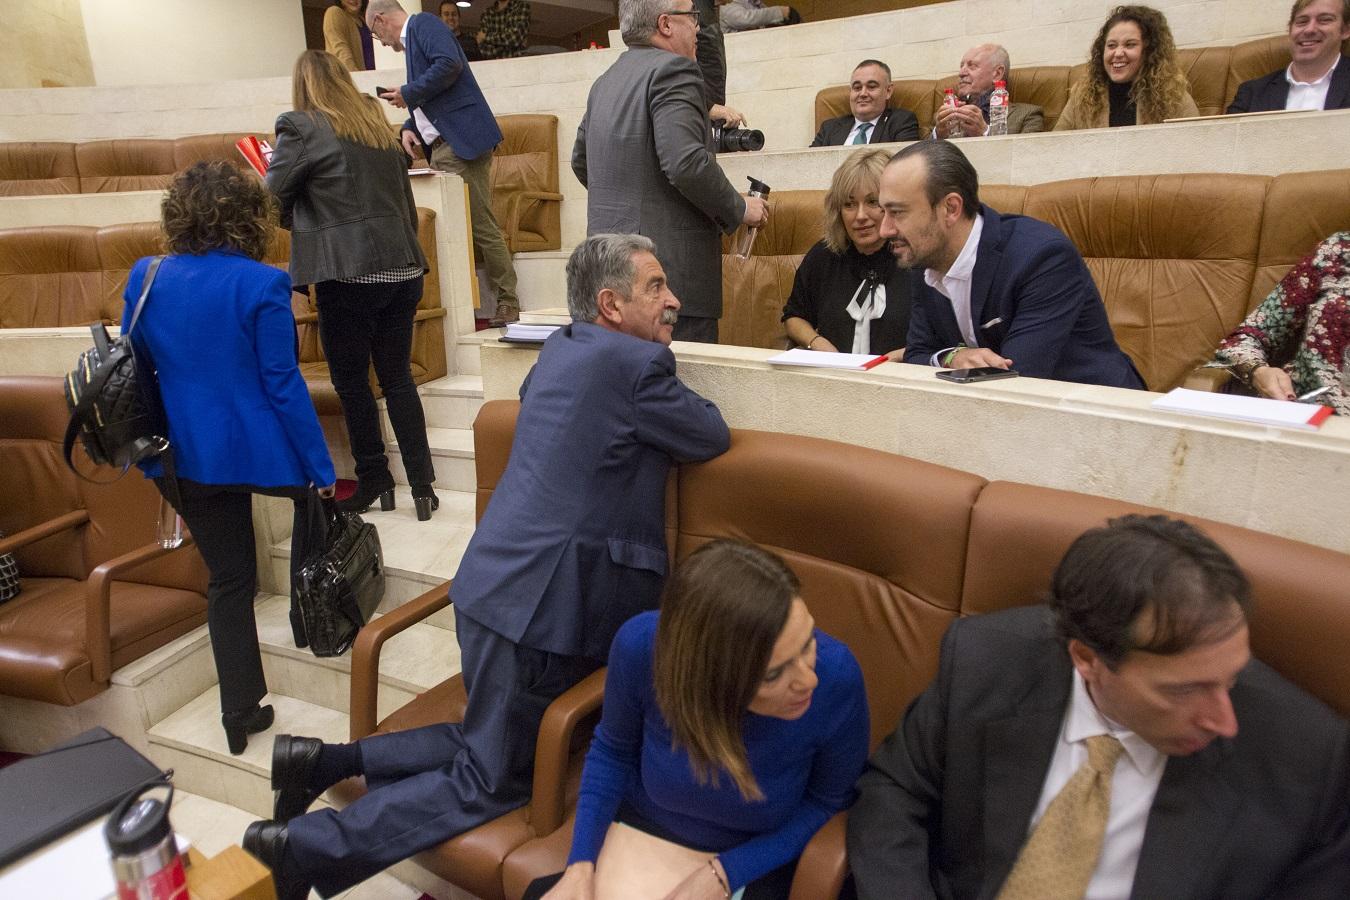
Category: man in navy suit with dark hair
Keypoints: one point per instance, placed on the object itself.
(571, 546)
(989, 289)
(452, 121)
(1318, 76)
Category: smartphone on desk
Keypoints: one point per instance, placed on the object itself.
(970, 376)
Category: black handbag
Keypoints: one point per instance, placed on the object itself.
(115, 408)
(9, 576)
(340, 586)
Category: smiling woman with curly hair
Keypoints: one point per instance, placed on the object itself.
(1133, 76)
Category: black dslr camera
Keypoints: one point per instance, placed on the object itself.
(736, 140)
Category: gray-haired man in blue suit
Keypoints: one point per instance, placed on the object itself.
(450, 118)
(571, 546)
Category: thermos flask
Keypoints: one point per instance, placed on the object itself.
(747, 238)
(145, 860)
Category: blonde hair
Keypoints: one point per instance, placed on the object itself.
(1161, 87)
(860, 169)
(321, 84)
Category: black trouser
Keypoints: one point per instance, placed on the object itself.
(702, 329)
(220, 518)
(361, 324)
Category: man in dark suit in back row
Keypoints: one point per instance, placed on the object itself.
(1318, 76)
(1120, 743)
(570, 547)
(871, 120)
(989, 289)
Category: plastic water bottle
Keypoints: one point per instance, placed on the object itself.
(949, 100)
(747, 237)
(998, 109)
(169, 530)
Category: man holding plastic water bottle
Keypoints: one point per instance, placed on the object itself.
(981, 69)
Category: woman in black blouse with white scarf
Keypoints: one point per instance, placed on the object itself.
(849, 296)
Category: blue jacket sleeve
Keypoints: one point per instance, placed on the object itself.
(1051, 296)
(840, 756)
(274, 346)
(445, 60)
(612, 761)
(921, 343)
(674, 418)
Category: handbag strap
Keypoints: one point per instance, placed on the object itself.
(148, 280)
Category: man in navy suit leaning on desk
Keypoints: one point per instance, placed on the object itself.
(995, 290)
(571, 546)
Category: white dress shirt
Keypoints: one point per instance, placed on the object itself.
(1308, 94)
(428, 131)
(1133, 786)
(955, 286)
(853, 132)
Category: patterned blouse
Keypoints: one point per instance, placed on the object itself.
(504, 30)
(1303, 326)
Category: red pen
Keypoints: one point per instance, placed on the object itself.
(873, 363)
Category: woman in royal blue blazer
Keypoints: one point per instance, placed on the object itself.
(218, 326)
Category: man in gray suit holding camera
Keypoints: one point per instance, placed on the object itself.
(644, 153)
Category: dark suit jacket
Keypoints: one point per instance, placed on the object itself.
(349, 207)
(947, 799)
(894, 125)
(441, 84)
(1270, 92)
(573, 542)
(1046, 314)
(644, 154)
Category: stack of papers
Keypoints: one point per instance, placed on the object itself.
(530, 334)
(1283, 413)
(817, 359)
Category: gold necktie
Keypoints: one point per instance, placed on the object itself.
(1059, 858)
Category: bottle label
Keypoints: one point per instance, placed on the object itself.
(169, 883)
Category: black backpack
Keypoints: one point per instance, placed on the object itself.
(115, 407)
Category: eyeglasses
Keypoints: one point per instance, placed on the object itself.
(692, 13)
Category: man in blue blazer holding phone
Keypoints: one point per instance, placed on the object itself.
(451, 120)
(992, 290)
(571, 546)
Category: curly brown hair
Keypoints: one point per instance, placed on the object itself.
(217, 206)
(1161, 86)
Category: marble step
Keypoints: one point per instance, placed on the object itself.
(191, 741)
(410, 663)
(451, 454)
(449, 402)
(417, 555)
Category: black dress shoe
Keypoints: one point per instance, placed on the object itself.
(293, 761)
(266, 840)
(239, 725)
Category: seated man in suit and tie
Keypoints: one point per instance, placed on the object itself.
(1318, 77)
(1120, 743)
(996, 290)
(870, 120)
(980, 68)
(571, 546)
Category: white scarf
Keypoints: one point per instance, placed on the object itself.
(872, 306)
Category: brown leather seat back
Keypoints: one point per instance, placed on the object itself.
(144, 164)
(1046, 87)
(1206, 70)
(1172, 255)
(527, 161)
(1302, 209)
(198, 147)
(1005, 198)
(755, 289)
(34, 476)
(890, 591)
(38, 167)
(119, 246)
(1018, 534)
(50, 277)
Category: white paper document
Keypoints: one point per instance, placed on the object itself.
(817, 359)
(1259, 410)
(520, 331)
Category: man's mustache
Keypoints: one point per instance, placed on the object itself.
(669, 317)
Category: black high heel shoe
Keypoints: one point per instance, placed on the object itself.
(239, 725)
(364, 497)
(425, 500)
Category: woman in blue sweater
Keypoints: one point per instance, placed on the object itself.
(732, 731)
(218, 326)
